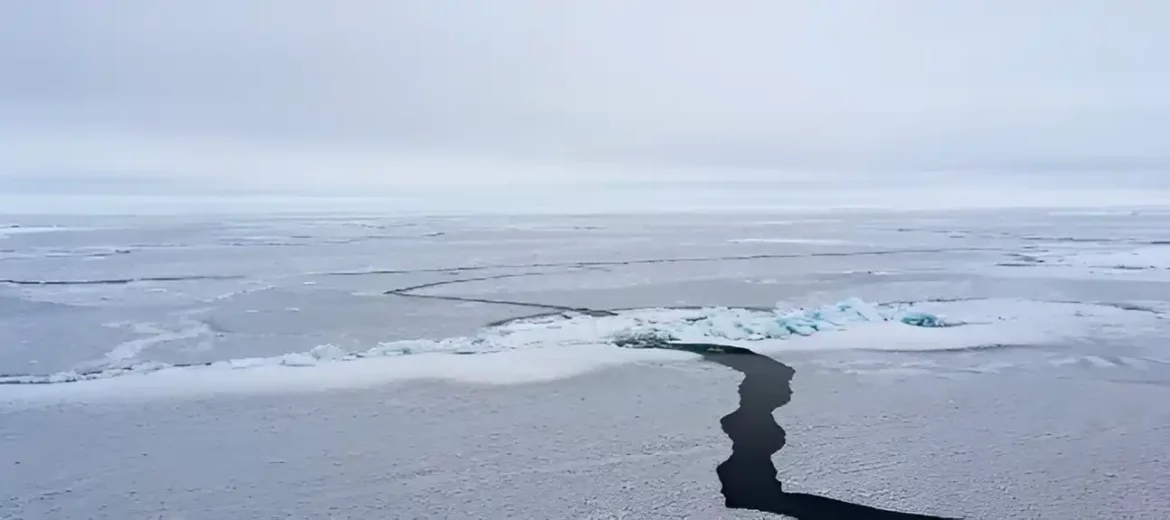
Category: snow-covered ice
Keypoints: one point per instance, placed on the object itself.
(362, 366)
(814, 241)
(541, 337)
(558, 346)
(1153, 257)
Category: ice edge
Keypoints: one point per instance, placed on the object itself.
(627, 329)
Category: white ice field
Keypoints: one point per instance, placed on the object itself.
(982, 364)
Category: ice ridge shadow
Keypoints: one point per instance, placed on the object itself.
(748, 477)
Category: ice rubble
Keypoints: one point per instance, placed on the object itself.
(749, 325)
(559, 346)
(628, 328)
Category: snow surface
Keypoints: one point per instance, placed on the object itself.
(1038, 398)
(631, 442)
(1154, 257)
(817, 241)
(7, 230)
(558, 346)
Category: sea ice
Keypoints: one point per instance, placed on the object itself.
(635, 327)
(298, 359)
(1154, 257)
(551, 347)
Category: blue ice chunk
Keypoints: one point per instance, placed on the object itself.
(922, 319)
(805, 322)
(800, 326)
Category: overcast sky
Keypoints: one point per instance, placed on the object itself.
(363, 93)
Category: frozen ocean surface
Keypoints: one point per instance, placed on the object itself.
(980, 364)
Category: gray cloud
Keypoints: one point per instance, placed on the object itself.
(384, 93)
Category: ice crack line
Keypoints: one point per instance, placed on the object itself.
(441, 283)
(748, 476)
(409, 292)
(459, 269)
(122, 281)
(644, 261)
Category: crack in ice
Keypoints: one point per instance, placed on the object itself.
(748, 477)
